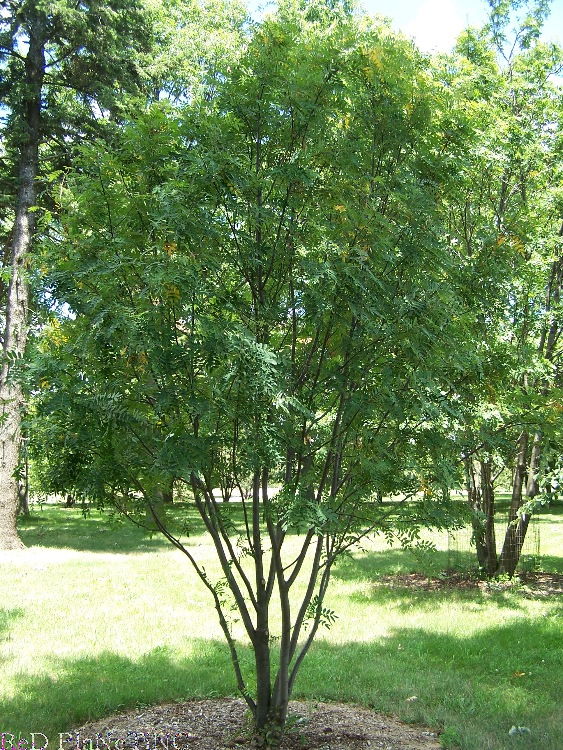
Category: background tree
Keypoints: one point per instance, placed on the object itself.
(506, 217)
(91, 49)
(71, 73)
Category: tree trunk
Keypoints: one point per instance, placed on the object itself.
(481, 499)
(168, 493)
(488, 500)
(474, 499)
(23, 490)
(15, 317)
(263, 675)
(262, 634)
(160, 499)
(516, 532)
(511, 548)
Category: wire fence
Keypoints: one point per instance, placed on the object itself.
(461, 545)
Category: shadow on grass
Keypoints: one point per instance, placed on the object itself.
(55, 526)
(369, 568)
(407, 600)
(100, 531)
(371, 565)
(86, 689)
(479, 685)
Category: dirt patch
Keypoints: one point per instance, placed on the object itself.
(531, 584)
(220, 723)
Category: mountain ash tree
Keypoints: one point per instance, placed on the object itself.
(263, 294)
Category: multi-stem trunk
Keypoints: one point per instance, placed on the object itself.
(15, 315)
(508, 559)
(261, 634)
(23, 490)
(481, 499)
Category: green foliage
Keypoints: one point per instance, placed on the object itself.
(103, 62)
(506, 221)
(315, 610)
(248, 269)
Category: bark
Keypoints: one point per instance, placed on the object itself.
(481, 498)
(474, 500)
(489, 511)
(280, 698)
(15, 320)
(508, 556)
(161, 497)
(23, 491)
(261, 635)
(168, 492)
(518, 520)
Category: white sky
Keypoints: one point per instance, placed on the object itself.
(435, 24)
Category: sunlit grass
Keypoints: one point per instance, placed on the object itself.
(97, 617)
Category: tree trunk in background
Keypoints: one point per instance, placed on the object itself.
(15, 320)
(162, 497)
(168, 493)
(519, 521)
(23, 490)
(473, 479)
(481, 499)
(488, 500)
(509, 557)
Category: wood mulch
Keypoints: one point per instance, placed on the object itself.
(531, 584)
(218, 724)
(542, 584)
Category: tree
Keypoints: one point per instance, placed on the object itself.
(506, 218)
(47, 49)
(71, 72)
(263, 292)
(176, 45)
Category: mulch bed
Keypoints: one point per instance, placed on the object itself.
(546, 584)
(531, 584)
(217, 724)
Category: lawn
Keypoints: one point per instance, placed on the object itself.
(96, 617)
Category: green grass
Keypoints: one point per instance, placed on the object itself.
(96, 617)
